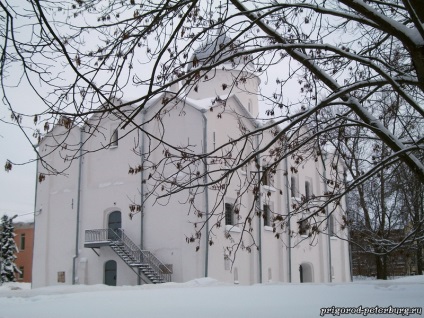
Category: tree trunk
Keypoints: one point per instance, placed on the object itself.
(381, 266)
(419, 260)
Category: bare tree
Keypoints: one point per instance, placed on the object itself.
(412, 210)
(91, 58)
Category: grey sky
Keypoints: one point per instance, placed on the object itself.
(17, 187)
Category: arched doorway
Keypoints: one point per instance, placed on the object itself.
(306, 273)
(110, 273)
(114, 225)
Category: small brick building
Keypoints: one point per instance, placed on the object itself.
(24, 239)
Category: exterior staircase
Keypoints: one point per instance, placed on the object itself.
(142, 262)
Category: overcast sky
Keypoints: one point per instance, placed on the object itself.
(17, 187)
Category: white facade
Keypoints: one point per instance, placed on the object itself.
(96, 184)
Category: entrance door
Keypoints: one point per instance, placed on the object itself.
(301, 273)
(110, 273)
(305, 271)
(114, 225)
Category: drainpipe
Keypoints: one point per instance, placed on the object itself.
(330, 279)
(141, 182)
(35, 206)
(205, 180)
(141, 189)
(259, 209)
(288, 196)
(78, 209)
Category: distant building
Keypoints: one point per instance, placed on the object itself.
(83, 232)
(24, 239)
(401, 262)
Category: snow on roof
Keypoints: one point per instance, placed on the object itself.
(217, 47)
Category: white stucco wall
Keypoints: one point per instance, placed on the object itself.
(106, 186)
(56, 206)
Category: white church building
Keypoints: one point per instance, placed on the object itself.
(83, 230)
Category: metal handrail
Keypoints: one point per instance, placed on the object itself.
(138, 255)
(100, 235)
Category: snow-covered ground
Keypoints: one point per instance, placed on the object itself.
(209, 298)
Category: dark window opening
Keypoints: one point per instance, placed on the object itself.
(308, 190)
(331, 225)
(229, 214)
(22, 242)
(293, 187)
(267, 215)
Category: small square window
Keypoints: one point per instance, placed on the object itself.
(61, 277)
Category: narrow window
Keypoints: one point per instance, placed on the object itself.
(265, 178)
(268, 176)
(22, 242)
(214, 140)
(267, 215)
(308, 192)
(331, 225)
(293, 186)
(114, 138)
(249, 106)
(229, 213)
